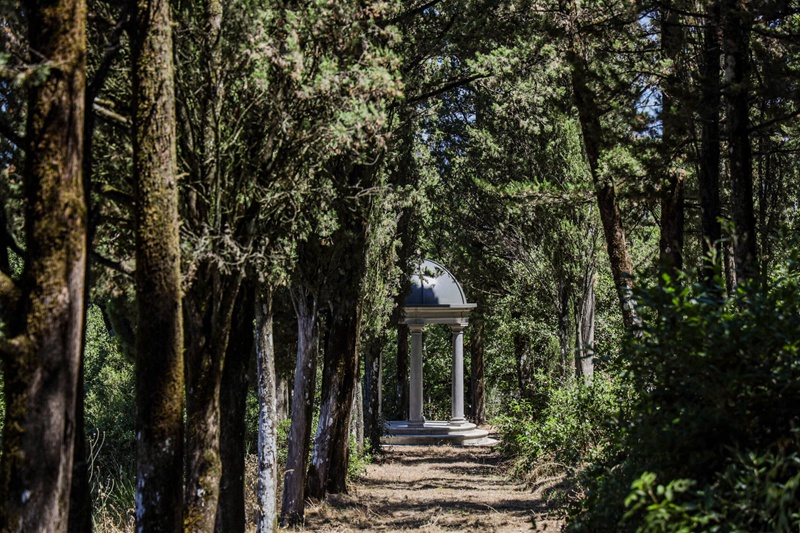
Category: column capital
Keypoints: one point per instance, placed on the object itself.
(457, 328)
(416, 328)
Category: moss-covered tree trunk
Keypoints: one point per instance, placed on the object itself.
(233, 404)
(294, 480)
(159, 338)
(43, 315)
(267, 474)
(208, 312)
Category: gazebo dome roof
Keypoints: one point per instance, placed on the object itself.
(434, 285)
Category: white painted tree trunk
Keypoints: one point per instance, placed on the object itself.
(267, 418)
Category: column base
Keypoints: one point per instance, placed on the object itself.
(458, 422)
(416, 423)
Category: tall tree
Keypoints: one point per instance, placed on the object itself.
(672, 143)
(43, 313)
(736, 24)
(233, 403)
(294, 481)
(709, 115)
(267, 484)
(159, 338)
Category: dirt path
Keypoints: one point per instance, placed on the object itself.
(431, 489)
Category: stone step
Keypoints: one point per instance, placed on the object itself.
(435, 432)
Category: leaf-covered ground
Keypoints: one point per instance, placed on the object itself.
(435, 488)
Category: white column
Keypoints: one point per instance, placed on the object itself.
(415, 417)
(457, 387)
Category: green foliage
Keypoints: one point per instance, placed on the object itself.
(714, 383)
(754, 493)
(109, 389)
(358, 461)
(569, 426)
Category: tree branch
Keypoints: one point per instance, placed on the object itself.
(776, 120)
(113, 265)
(446, 88)
(110, 115)
(110, 54)
(8, 131)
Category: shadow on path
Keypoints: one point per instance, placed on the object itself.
(427, 488)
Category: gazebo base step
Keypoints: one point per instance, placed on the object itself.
(435, 433)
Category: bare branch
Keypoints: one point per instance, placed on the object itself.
(113, 265)
(110, 54)
(446, 88)
(111, 115)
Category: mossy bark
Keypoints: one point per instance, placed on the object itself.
(208, 311)
(159, 340)
(293, 505)
(233, 403)
(43, 316)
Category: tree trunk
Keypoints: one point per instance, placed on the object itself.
(672, 186)
(357, 418)
(584, 323)
(521, 363)
(43, 317)
(159, 341)
(373, 380)
(208, 311)
(267, 474)
(401, 387)
(736, 22)
(80, 504)
(606, 193)
(477, 374)
(710, 98)
(329, 461)
(293, 506)
(564, 340)
(233, 403)
(283, 406)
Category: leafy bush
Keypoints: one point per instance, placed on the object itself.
(754, 493)
(569, 430)
(714, 379)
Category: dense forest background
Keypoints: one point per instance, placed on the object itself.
(210, 212)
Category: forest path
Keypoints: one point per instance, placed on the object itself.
(432, 489)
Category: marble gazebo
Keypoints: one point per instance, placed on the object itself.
(436, 298)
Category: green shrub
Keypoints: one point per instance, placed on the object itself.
(710, 376)
(571, 429)
(754, 493)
